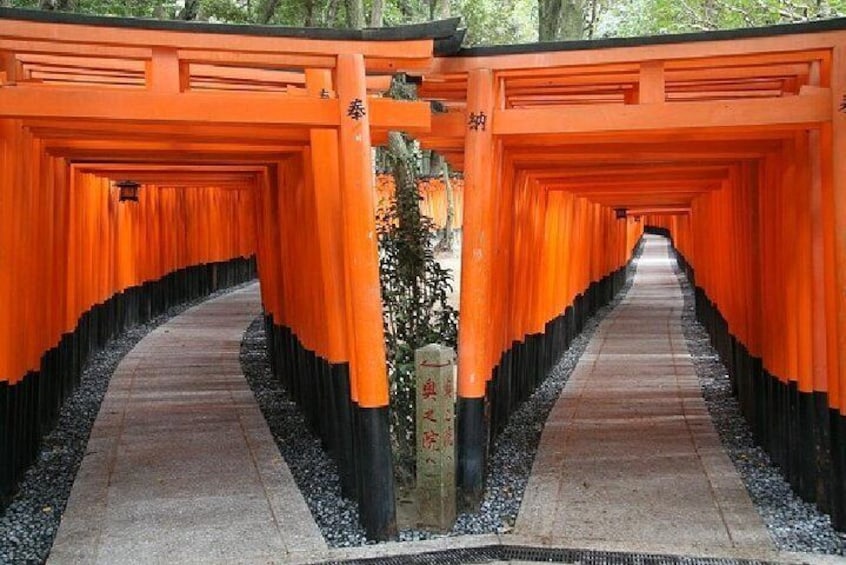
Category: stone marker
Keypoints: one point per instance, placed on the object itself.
(435, 370)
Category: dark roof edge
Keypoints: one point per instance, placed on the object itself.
(441, 29)
(817, 26)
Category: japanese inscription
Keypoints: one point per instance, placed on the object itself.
(478, 121)
(356, 109)
(435, 368)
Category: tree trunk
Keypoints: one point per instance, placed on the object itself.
(560, 19)
(592, 13)
(190, 11)
(311, 14)
(377, 13)
(572, 22)
(331, 13)
(440, 9)
(446, 243)
(355, 14)
(549, 13)
(268, 12)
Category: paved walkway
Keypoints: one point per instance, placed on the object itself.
(181, 466)
(629, 458)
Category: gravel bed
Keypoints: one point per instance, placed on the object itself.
(793, 524)
(316, 474)
(314, 471)
(30, 522)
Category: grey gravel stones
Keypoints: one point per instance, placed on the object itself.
(316, 474)
(793, 524)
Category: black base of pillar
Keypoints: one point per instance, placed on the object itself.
(346, 437)
(838, 455)
(472, 451)
(377, 503)
(798, 429)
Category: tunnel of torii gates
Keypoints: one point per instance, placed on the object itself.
(252, 146)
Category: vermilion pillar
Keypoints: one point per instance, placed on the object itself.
(326, 177)
(477, 263)
(838, 386)
(376, 496)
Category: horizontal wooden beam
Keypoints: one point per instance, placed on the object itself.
(407, 116)
(219, 133)
(164, 151)
(796, 111)
(206, 107)
(798, 48)
(137, 37)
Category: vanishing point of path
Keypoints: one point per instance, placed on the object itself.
(181, 466)
(629, 458)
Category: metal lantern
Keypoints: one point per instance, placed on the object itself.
(621, 213)
(128, 190)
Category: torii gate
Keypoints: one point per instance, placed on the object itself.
(726, 140)
(729, 141)
(269, 127)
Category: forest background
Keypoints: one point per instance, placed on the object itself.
(488, 21)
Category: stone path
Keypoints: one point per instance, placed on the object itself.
(181, 466)
(629, 458)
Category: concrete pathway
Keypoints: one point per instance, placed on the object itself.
(629, 458)
(181, 466)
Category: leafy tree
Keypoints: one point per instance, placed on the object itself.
(415, 289)
(652, 17)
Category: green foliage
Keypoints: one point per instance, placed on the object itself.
(488, 21)
(415, 289)
(414, 286)
(505, 21)
(652, 17)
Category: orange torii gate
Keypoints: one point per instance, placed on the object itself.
(256, 141)
(728, 142)
(247, 141)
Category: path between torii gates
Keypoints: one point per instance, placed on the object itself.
(181, 467)
(629, 456)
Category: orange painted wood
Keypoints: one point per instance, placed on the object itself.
(360, 235)
(477, 247)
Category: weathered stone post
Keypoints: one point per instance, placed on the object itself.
(435, 370)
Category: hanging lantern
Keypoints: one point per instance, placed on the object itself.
(128, 190)
(621, 213)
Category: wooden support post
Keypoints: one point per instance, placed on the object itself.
(838, 179)
(165, 73)
(325, 164)
(9, 67)
(477, 264)
(651, 84)
(376, 499)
